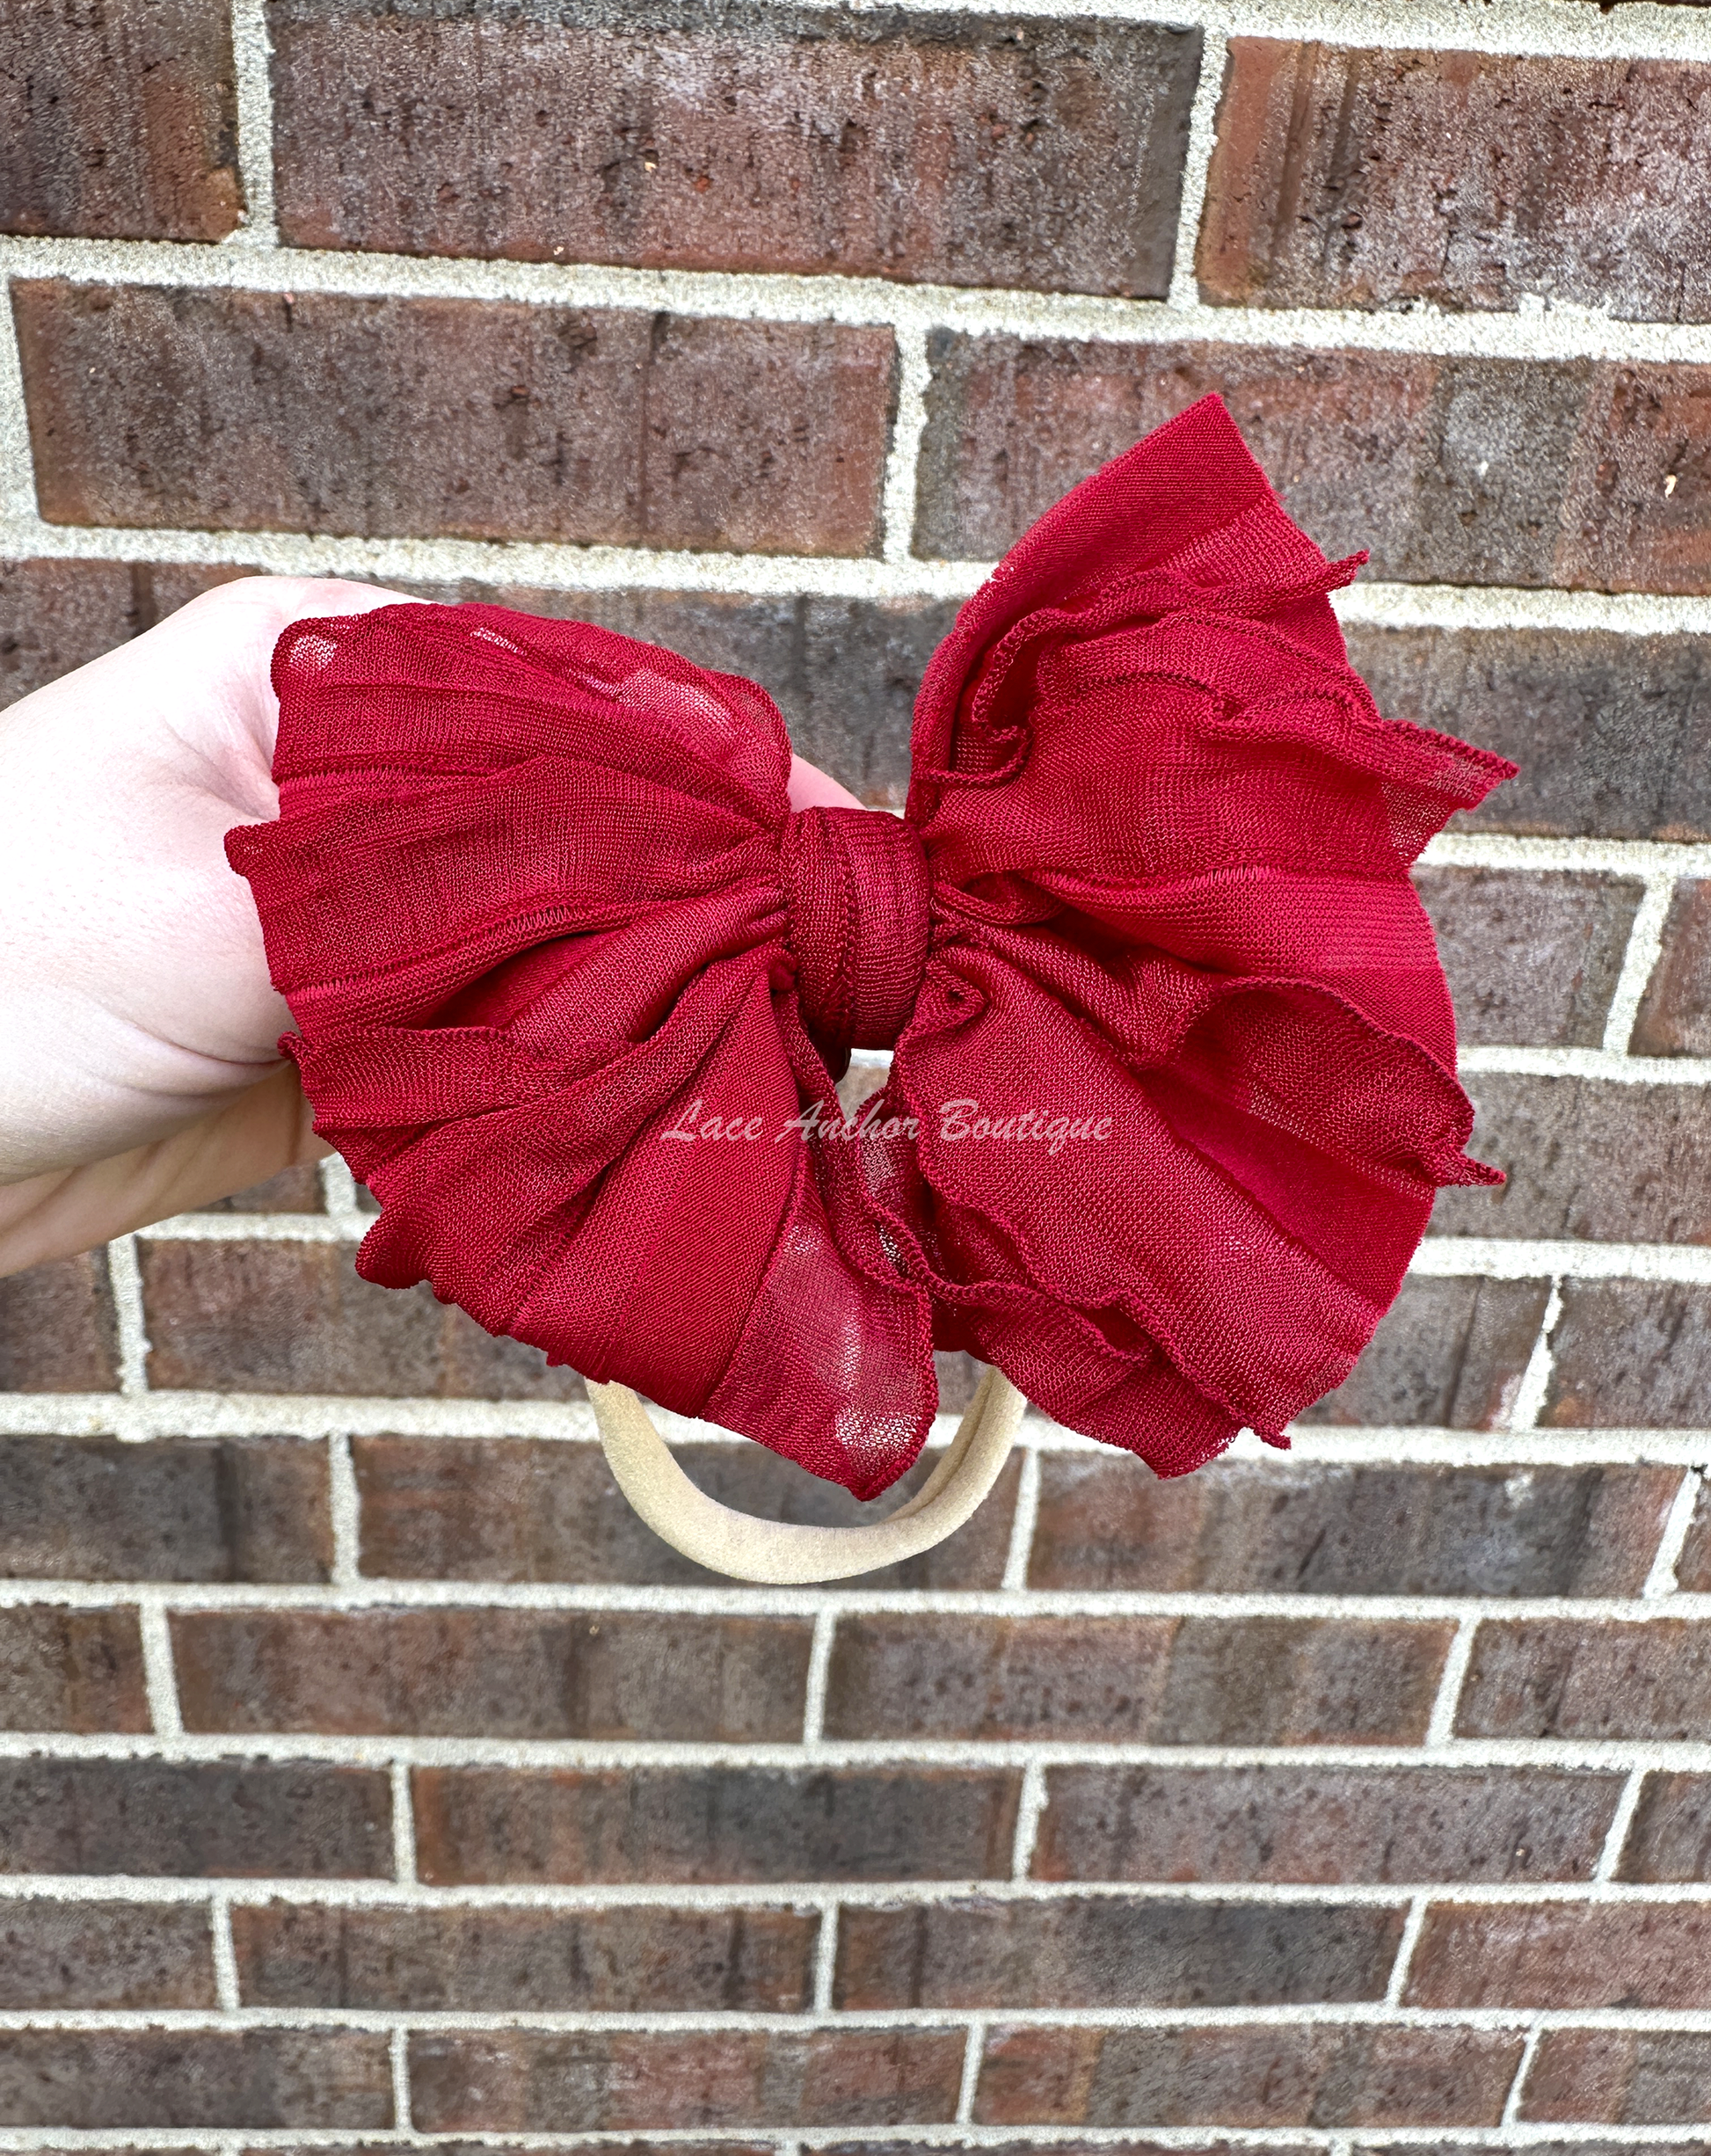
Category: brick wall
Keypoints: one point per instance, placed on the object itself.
(368, 1775)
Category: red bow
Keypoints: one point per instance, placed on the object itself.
(1174, 1080)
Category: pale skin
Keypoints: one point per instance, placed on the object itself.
(139, 1074)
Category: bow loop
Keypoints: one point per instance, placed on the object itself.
(1172, 1083)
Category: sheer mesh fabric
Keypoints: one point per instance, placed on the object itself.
(1174, 1077)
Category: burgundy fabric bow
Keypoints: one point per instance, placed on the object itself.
(1174, 1072)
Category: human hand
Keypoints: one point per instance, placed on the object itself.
(139, 1074)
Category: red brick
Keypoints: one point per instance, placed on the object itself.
(118, 122)
(293, 1189)
(1619, 2077)
(77, 1954)
(1612, 732)
(224, 1819)
(1351, 177)
(70, 1669)
(483, 420)
(519, 2082)
(942, 148)
(58, 614)
(1675, 1011)
(1557, 1678)
(610, 1961)
(1104, 1950)
(1670, 1836)
(1313, 1527)
(493, 1672)
(1449, 469)
(701, 1825)
(1324, 1826)
(1562, 1954)
(1693, 1568)
(1157, 1680)
(1245, 2077)
(1604, 1163)
(1629, 1353)
(143, 2079)
(181, 1508)
(57, 1331)
(1449, 1353)
(287, 1317)
(1530, 959)
(517, 1509)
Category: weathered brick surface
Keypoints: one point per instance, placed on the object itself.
(1693, 1568)
(1106, 1951)
(1670, 1837)
(949, 149)
(1452, 471)
(1560, 1955)
(1244, 2077)
(70, 1669)
(284, 1317)
(118, 122)
(625, 1961)
(192, 1508)
(1612, 732)
(698, 1825)
(843, 672)
(522, 1510)
(1586, 1159)
(293, 1189)
(1530, 959)
(1322, 1826)
(153, 1819)
(58, 614)
(1158, 1680)
(1630, 1352)
(78, 1953)
(486, 420)
(1345, 177)
(1310, 1528)
(1675, 1012)
(1559, 1678)
(57, 1332)
(1449, 1353)
(188, 2078)
(493, 1672)
(1619, 2077)
(522, 2081)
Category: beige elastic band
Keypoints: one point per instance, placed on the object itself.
(783, 1555)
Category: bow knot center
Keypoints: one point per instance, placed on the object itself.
(855, 886)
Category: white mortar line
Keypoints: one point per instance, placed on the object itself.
(1535, 1379)
(399, 2048)
(795, 1607)
(225, 1955)
(914, 377)
(1637, 857)
(126, 1280)
(819, 1664)
(1660, 1580)
(1031, 1803)
(982, 1755)
(1511, 2110)
(344, 1509)
(953, 2137)
(973, 2051)
(1441, 1727)
(1610, 1856)
(160, 1680)
(826, 1960)
(338, 1196)
(18, 477)
(1458, 606)
(1594, 1063)
(251, 54)
(1022, 1526)
(403, 1826)
(1202, 136)
(1413, 1925)
(1645, 943)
